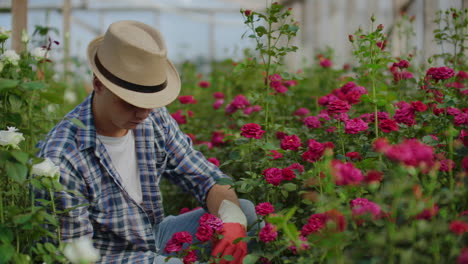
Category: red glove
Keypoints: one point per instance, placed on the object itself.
(225, 246)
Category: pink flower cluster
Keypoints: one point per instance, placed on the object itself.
(428, 213)
(239, 102)
(301, 112)
(252, 130)
(315, 150)
(204, 84)
(268, 233)
(303, 246)
(398, 72)
(219, 96)
(405, 114)
(346, 173)
(275, 176)
(264, 209)
(317, 222)
(179, 117)
(208, 225)
(440, 73)
(411, 152)
(279, 85)
(361, 206)
(292, 142)
(252, 109)
(459, 227)
(177, 241)
(355, 126)
(350, 93)
(460, 117)
(187, 99)
(312, 122)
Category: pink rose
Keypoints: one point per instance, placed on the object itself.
(312, 122)
(275, 154)
(288, 174)
(218, 95)
(440, 73)
(355, 126)
(338, 106)
(215, 161)
(204, 84)
(179, 117)
(292, 142)
(273, 176)
(360, 206)
(187, 99)
(296, 166)
(204, 233)
(218, 103)
(268, 233)
(346, 173)
(458, 227)
(191, 257)
(301, 112)
(264, 209)
(252, 130)
(388, 126)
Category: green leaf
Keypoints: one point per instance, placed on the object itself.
(77, 122)
(16, 171)
(21, 219)
(6, 236)
(228, 257)
(250, 259)
(234, 155)
(225, 181)
(290, 186)
(8, 84)
(6, 252)
(241, 141)
(20, 156)
(36, 85)
(50, 247)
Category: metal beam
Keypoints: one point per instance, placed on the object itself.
(6, 7)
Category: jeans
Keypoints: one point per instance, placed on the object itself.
(189, 222)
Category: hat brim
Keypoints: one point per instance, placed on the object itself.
(143, 100)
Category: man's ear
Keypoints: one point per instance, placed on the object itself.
(97, 84)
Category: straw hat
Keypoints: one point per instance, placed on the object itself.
(131, 61)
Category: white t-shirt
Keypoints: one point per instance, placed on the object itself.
(123, 155)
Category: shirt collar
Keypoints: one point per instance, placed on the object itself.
(86, 137)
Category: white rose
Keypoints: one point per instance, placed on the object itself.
(24, 36)
(10, 56)
(39, 53)
(45, 168)
(5, 33)
(10, 137)
(70, 96)
(81, 251)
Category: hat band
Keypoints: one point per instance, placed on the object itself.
(128, 85)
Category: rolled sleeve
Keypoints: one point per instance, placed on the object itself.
(187, 167)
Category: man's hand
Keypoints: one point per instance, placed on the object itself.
(226, 246)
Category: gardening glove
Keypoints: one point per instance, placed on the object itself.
(234, 227)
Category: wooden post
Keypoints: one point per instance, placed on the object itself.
(429, 48)
(465, 4)
(19, 23)
(212, 36)
(66, 12)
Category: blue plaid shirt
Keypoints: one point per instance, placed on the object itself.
(122, 229)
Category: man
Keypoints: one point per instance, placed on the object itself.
(129, 143)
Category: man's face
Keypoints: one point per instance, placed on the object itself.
(124, 115)
(117, 113)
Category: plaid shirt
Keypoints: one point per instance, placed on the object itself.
(122, 229)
